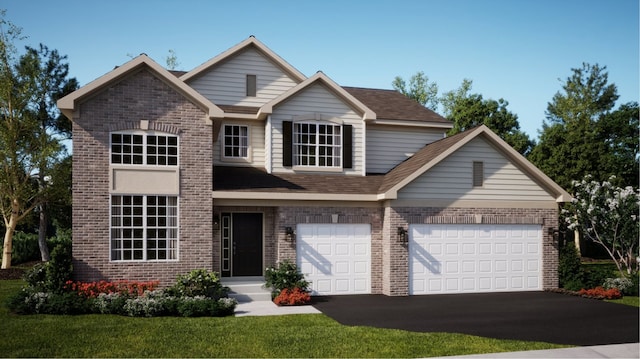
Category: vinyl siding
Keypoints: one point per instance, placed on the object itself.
(387, 146)
(256, 146)
(316, 99)
(452, 178)
(226, 83)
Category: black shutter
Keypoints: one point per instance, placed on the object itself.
(287, 137)
(347, 146)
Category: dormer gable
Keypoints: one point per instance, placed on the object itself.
(247, 75)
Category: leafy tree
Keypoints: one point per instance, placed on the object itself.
(26, 147)
(467, 110)
(607, 215)
(582, 136)
(172, 60)
(419, 89)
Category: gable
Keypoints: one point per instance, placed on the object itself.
(452, 178)
(225, 83)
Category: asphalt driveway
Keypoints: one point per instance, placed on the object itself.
(534, 316)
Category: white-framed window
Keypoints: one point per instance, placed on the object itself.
(317, 144)
(144, 148)
(144, 228)
(235, 142)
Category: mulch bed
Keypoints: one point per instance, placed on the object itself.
(16, 272)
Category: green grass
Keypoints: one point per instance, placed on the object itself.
(632, 301)
(312, 335)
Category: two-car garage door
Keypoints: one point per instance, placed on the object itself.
(453, 258)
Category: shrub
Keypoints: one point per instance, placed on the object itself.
(37, 302)
(110, 303)
(24, 248)
(284, 275)
(124, 287)
(199, 282)
(295, 296)
(570, 273)
(601, 293)
(620, 284)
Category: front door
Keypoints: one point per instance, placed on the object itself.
(245, 231)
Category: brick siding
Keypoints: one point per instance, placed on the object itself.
(140, 96)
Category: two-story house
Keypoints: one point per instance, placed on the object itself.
(244, 161)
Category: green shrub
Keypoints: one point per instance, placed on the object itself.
(29, 301)
(284, 275)
(24, 248)
(199, 282)
(60, 266)
(570, 273)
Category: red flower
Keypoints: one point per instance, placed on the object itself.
(295, 296)
(601, 293)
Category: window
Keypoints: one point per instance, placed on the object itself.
(144, 149)
(236, 141)
(144, 228)
(251, 85)
(318, 145)
(478, 174)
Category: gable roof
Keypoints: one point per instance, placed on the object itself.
(434, 153)
(250, 42)
(392, 105)
(69, 103)
(323, 79)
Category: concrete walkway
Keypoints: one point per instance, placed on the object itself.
(263, 308)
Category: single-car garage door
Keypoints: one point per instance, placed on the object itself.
(454, 258)
(335, 258)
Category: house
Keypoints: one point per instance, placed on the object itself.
(244, 161)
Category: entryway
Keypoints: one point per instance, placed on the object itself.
(242, 244)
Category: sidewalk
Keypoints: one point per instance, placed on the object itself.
(601, 351)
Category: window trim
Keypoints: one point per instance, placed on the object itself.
(145, 148)
(223, 156)
(337, 149)
(145, 227)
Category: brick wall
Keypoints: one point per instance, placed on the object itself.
(140, 96)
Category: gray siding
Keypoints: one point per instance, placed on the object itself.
(387, 146)
(452, 178)
(225, 84)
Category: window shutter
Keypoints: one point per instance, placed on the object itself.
(287, 138)
(347, 146)
(478, 174)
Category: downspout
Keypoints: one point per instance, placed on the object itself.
(268, 145)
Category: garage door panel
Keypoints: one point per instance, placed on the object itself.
(335, 258)
(474, 258)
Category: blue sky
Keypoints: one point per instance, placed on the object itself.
(519, 50)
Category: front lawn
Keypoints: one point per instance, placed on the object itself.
(313, 335)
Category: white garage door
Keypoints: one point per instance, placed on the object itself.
(455, 258)
(335, 258)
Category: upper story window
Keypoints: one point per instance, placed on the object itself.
(141, 148)
(318, 145)
(236, 141)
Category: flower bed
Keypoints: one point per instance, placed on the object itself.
(288, 285)
(198, 293)
(595, 293)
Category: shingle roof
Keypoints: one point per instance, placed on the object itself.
(249, 179)
(392, 105)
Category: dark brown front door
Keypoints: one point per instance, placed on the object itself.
(246, 244)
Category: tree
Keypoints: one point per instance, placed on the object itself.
(467, 110)
(607, 215)
(618, 131)
(50, 71)
(172, 60)
(574, 136)
(419, 89)
(24, 147)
